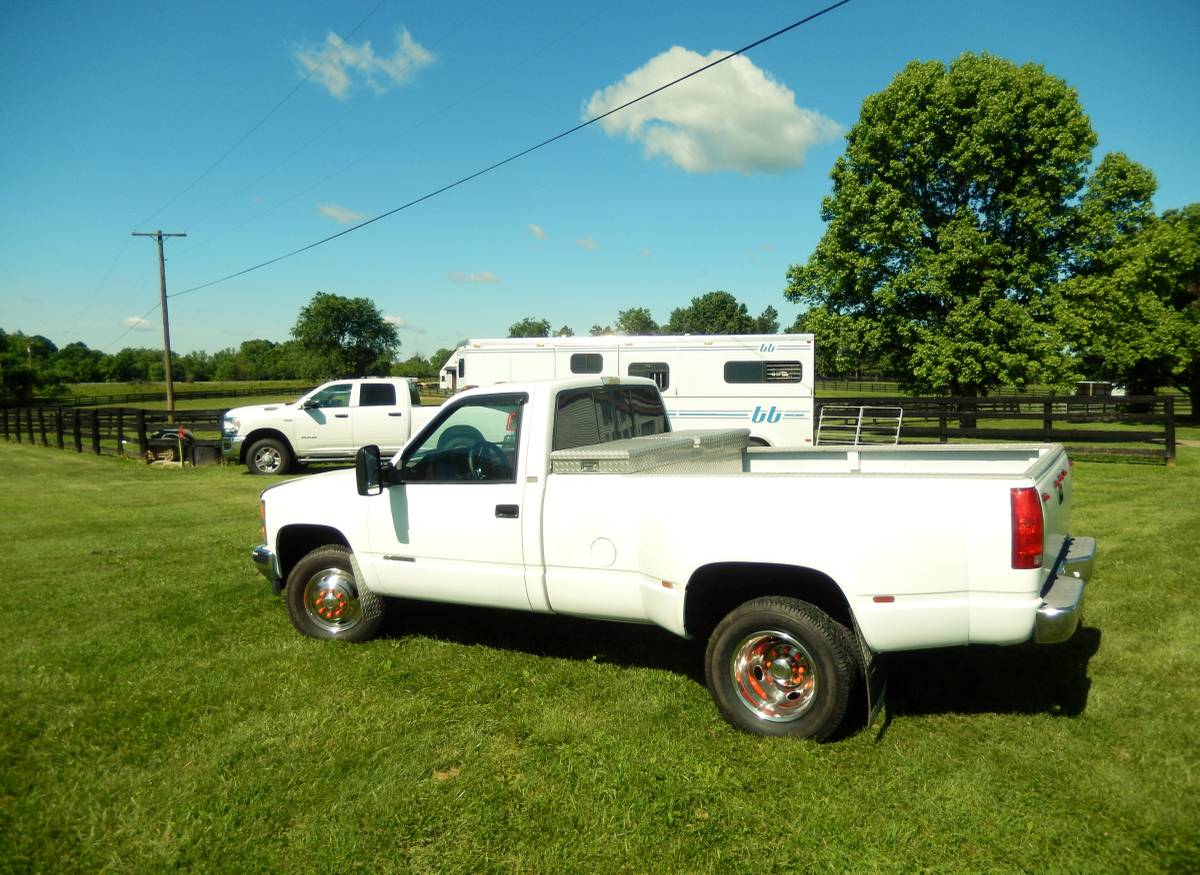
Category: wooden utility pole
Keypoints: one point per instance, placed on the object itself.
(162, 291)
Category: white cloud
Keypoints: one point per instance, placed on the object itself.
(402, 324)
(484, 277)
(538, 232)
(731, 117)
(340, 66)
(341, 215)
(137, 323)
(587, 243)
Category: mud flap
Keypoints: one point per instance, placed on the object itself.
(874, 671)
(371, 606)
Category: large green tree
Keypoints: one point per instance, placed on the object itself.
(951, 215)
(1132, 310)
(530, 327)
(344, 337)
(719, 313)
(636, 321)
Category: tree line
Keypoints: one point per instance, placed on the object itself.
(971, 241)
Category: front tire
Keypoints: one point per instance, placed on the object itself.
(780, 666)
(269, 456)
(326, 600)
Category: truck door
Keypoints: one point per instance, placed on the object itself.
(380, 417)
(451, 530)
(323, 424)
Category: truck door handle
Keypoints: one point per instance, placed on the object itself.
(342, 415)
(395, 414)
(508, 511)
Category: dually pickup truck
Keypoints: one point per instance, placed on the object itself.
(326, 425)
(798, 566)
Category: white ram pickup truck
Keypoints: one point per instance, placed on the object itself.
(328, 424)
(799, 566)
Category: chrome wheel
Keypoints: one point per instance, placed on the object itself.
(331, 600)
(774, 675)
(268, 459)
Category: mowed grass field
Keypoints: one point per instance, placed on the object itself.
(160, 712)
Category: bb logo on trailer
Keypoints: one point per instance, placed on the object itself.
(770, 416)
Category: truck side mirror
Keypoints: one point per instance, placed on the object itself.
(369, 471)
(310, 404)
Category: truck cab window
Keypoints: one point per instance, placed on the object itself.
(337, 395)
(377, 395)
(476, 441)
(600, 415)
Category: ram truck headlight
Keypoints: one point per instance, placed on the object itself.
(230, 426)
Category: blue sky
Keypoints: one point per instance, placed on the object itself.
(115, 115)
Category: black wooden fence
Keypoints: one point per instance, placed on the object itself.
(118, 431)
(1138, 426)
(1102, 425)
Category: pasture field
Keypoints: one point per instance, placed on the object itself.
(160, 712)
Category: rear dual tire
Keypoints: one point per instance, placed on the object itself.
(780, 666)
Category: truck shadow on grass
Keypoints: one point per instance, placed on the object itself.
(1029, 679)
(628, 645)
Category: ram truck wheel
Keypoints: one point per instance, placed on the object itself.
(326, 600)
(269, 456)
(780, 666)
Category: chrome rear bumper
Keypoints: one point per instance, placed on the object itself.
(1062, 605)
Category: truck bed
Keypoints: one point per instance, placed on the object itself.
(727, 452)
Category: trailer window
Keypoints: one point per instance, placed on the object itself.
(659, 372)
(764, 372)
(587, 363)
(377, 395)
(597, 416)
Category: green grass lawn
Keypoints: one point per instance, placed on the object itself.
(160, 712)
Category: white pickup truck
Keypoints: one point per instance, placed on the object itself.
(798, 566)
(327, 424)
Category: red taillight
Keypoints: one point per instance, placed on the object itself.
(1028, 528)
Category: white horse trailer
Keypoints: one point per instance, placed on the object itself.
(763, 382)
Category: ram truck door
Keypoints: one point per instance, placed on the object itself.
(449, 527)
(323, 422)
(380, 417)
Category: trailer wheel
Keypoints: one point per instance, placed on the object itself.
(269, 456)
(326, 600)
(780, 666)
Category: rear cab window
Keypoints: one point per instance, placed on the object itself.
(377, 395)
(600, 414)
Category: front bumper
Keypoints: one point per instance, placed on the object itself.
(231, 447)
(267, 564)
(1062, 604)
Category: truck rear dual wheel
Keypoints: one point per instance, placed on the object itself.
(326, 600)
(780, 666)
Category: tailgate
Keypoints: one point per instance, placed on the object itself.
(1052, 477)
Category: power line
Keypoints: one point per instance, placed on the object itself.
(442, 110)
(263, 120)
(517, 155)
(134, 322)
